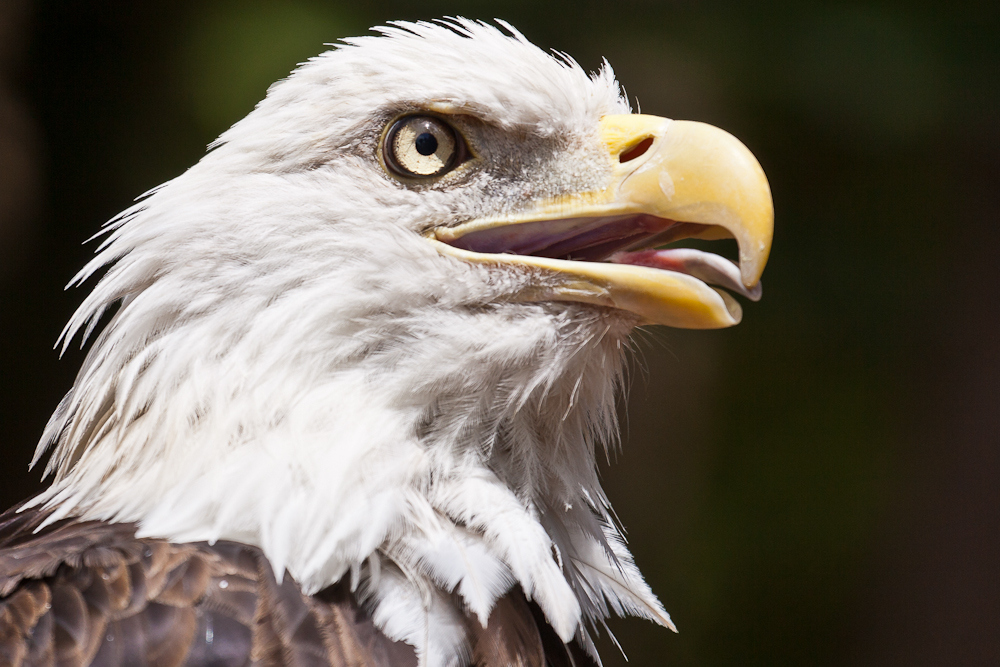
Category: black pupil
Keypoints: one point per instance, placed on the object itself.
(426, 144)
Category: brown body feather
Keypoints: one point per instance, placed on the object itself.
(90, 593)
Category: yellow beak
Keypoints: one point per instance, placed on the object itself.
(669, 179)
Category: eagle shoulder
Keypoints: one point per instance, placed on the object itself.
(91, 593)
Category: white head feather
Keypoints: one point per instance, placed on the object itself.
(292, 366)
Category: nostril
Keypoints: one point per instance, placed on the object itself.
(637, 150)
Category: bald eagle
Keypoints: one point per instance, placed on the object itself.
(360, 362)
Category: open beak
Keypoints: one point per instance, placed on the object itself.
(670, 180)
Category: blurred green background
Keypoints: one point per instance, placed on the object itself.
(818, 486)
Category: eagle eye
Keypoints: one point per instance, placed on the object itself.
(422, 147)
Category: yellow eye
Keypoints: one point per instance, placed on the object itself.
(422, 147)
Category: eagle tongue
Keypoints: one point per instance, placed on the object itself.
(704, 266)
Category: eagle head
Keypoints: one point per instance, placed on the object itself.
(378, 329)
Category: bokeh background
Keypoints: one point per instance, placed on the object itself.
(818, 486)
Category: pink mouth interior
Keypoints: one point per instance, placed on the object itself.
(620, 239)
(581, 239)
